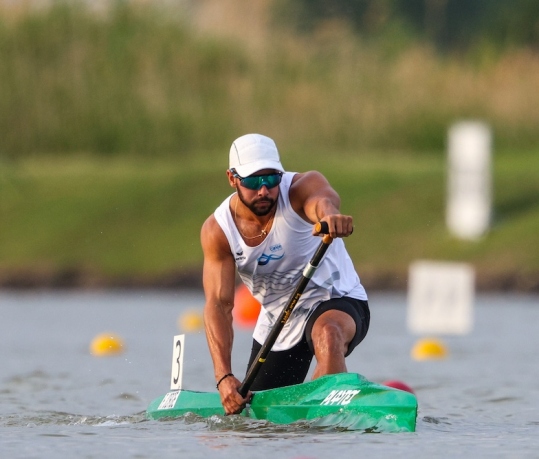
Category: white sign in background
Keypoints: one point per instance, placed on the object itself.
(468, 211)
(440, 297)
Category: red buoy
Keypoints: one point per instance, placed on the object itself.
(398, 385)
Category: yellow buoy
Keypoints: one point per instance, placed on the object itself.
(191, 321)
(428, 349)
(106, 344)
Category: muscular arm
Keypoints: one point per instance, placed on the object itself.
(313, 198)
(218, 281)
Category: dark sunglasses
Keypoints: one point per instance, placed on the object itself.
(255, 182)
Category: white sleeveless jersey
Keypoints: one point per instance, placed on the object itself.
(271, 270)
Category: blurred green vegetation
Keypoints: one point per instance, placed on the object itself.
(140, 219)
(451, 25)
(139, 80)
(71, 80)
(116, 128)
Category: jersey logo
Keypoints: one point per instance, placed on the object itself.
(265, 259)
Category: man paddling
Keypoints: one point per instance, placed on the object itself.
(265, 231)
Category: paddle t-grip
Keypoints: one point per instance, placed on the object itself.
(322, 228)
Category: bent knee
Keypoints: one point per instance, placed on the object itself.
(330, 337)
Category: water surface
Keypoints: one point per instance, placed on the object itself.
(57, 400)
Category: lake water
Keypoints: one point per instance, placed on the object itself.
(57, 400)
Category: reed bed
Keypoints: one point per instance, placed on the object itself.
(140, 80)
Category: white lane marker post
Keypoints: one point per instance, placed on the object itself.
(469, 181)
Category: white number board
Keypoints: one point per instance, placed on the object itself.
(177, 363)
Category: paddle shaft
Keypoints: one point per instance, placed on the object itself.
(308, 273)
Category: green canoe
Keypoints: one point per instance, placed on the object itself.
(345, 400)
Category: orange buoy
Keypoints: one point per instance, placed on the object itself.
(246, 308)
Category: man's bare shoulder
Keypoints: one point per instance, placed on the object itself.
(210, 224)
(211, 229)
(306, 184)
(212, 237)
(307, 178)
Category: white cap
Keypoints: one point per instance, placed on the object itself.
(253, 152)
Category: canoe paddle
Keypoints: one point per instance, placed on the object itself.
(308, 272)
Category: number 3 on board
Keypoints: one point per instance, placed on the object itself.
(177, 363)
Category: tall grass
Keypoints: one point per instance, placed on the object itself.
(129, 81)
(140, 80)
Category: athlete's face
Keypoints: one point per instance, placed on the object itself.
(260, 202)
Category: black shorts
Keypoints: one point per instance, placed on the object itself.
(284, 368)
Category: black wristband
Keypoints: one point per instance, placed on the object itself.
(223, 378)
